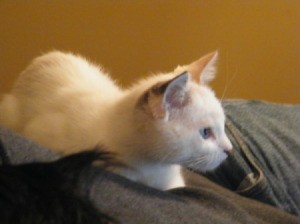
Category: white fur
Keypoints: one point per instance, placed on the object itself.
(66, 103)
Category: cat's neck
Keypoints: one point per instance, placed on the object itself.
(115, 125)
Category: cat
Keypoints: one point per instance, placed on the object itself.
(49, 192)
(68, 104)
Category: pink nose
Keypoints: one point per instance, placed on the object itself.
(226, 145)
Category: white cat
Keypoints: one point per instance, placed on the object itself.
(64, 102)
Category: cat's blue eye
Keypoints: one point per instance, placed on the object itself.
(206, 133)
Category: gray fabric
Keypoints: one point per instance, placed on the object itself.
(265, 164)
(200, 202)
(20, 150)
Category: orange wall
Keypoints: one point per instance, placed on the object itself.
(259, 40)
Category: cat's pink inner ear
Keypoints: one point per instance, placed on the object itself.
(203, 70)
(175, 95)
(159, 101)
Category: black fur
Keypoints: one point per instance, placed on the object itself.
(48, 192)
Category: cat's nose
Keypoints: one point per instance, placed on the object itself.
(227, 146)
(228, 152)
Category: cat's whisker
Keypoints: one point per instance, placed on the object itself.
(228, 83)
(202, 161)
(215, 160)
(195, 164)
(211, 159)
(165, 157)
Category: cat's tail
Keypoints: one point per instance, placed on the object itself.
(9, 112)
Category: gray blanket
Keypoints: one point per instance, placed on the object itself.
(264, 166)
(266, 162)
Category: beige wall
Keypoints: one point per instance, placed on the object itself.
(259, 40)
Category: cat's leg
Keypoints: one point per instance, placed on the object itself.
(49, 130)
(163, 177)
(175, 178)
(9, 112)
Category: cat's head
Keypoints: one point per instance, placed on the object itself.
(179, 119)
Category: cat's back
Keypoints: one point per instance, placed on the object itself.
(58, 83)
(63, 71)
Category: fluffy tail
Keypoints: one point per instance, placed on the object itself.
(9, 112)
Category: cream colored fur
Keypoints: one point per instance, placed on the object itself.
(66, 103)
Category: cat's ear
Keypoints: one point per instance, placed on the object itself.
(164, 97)
(203, 70)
